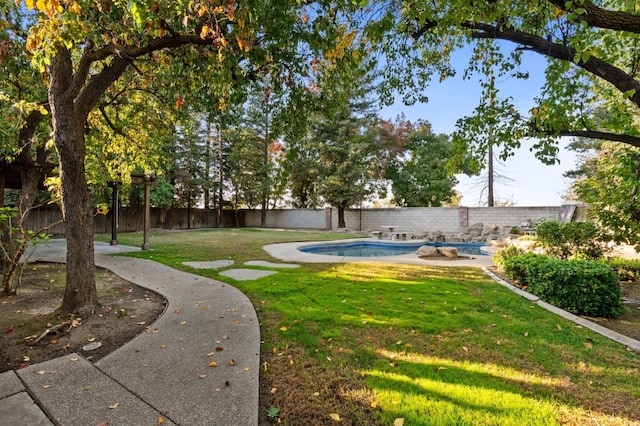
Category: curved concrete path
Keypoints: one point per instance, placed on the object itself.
(164, 376)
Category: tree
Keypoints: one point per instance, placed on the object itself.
(591, 50)
(344, 133)
(609, 181)
(420, 178)
(86, 46)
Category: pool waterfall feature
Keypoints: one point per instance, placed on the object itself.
(380, 248)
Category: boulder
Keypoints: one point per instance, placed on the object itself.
(427, 251)
(418, 235)
(448, 251)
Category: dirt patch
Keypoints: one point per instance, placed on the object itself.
(629, 322)
(127, 310)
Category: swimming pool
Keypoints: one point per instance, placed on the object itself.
(377, 249)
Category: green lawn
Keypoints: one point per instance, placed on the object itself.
(372, 343)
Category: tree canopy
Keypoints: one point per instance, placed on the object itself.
(591, 48)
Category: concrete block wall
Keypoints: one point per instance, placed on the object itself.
(444, 219)
(510, 216)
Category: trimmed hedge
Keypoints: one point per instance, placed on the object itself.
(582, 287)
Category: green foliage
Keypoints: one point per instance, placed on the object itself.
(584, 70)
(420, 178)
(627, 269)
(273, 413)
(577, 240)
(517, 267)
(608, 181)
(583, 287)
(508, 252)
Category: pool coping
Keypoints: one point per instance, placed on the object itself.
(289, 252)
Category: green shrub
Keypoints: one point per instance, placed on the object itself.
(572, 240)
(517, 268)
(500, 256)
(627, 269)
(583, 287)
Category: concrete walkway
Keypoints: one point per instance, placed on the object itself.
(197, 365)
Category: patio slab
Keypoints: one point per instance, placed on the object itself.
(212, 264)
(246, 274)
(271, 264)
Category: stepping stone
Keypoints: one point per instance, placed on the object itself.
(246, 274)
(270, 264)
(213, 264)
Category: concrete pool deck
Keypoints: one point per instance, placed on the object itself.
(289, 252)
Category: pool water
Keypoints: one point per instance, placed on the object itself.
(377, 249)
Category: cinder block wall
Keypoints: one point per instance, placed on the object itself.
(444, 219)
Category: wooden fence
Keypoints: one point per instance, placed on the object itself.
(131, 219)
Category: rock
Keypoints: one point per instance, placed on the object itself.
(427, 251)
(448, 251)
(438, 237)
(475, 230)
(418, 235)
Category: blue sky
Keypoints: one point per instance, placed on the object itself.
(529, 182)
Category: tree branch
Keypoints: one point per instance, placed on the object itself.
(598, 17)
(599, 68)
(595, 134)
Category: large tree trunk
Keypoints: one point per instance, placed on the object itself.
(341, 222)
(80, 294)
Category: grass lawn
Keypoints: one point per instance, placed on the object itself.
(383, 344)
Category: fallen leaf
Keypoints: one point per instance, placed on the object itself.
(160, 420)
(105, 423)
(374, 405)
(559, 328)
(219, 349)
(283, 328)
(41, 372)
(53, 341)
(526, 334)
(398, 422)
(273, 391)
(93, 339)
(232, 362)
(464, 348)
(204, 308)
(335, 417)
(9, 329)
(74, 359)
(237, 321)
(114, 406)
(213, 364)
(588, 345)
(25, 358)
(46, 386)
(203, 376)
(163, 346)
(142, 323)
(183, 322)
(395, 401)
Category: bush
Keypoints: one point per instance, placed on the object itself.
(583, 287)
(627, 269)
(572, 240)
(517, 268)
(501, 256)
